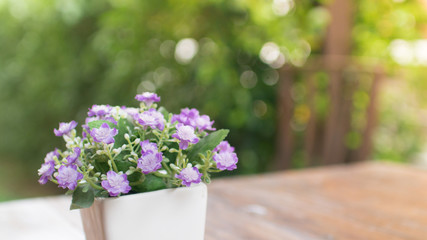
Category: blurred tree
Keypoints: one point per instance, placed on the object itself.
(336, 123)
(58, 57)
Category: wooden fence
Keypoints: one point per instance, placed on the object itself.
(327, 112)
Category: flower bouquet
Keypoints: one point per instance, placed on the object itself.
(123, 151)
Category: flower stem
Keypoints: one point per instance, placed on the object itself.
(167, 169)
(93, 184)
(112, 162)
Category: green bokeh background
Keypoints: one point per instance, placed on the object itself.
(58, 57)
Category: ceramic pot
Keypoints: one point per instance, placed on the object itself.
(178, 213)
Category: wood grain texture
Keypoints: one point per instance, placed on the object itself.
(93, 221)
(363, 201)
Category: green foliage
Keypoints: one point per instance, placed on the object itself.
(59, 58)
(124, 126)
(207, 143)
(151, 183)
(98, 123)
(83, 197)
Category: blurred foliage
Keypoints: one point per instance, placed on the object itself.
(58, 57)
(400, 134)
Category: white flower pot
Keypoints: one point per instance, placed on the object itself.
(177, 213)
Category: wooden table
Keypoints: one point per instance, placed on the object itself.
(362, 201)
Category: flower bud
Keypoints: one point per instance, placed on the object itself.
(127, 136)
(174, 167)
(67, 138)
(137, 140)
(198, 166)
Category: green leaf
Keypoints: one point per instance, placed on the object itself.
(69, 192)
(124, 165)
(85, 188)
(135, 177)
(207, 143)
(101, 193)
(98, 123)
(82, 199)
(151, 183)
(101, 166)
(171, 156)
(100, 162)
(124, 126)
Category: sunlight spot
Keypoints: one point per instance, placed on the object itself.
(270, 52)
(271, 78)
(420, 51)
(271, 55)
(401, 51)
(282, 7)
(19, 9)
(256, 209)
(248, 79)
(260, 108)
(185, 50)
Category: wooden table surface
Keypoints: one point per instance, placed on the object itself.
(363, 201)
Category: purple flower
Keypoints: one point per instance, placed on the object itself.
(110, 119)
(150, 162)
(116, 183)
(148, 147)
(46, 171)
(189, 176)
(68, 176)
(73, 158)
(99, 110)
(186, 135)
(95, 118)
(224, 146)
(86, 125)
(187, 117)
(192, 118)
(132, 112)
(153, 119)
(91, 119)
(104, 134)
(204, 123)
(64, 128)
(50, 155)
(225, 160)
(148, 98)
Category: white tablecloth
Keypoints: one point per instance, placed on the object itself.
(40, 218)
